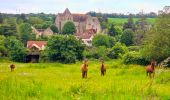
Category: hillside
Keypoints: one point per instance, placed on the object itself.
(121, 21)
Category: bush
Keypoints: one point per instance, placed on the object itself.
(16, 49)
(127, 37)
(96, 52)
(65, 49)
(103, 40)
(134, 48)
(134, 58)
(117, 51)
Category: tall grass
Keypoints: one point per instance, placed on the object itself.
(48, 81)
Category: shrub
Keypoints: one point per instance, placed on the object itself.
(103, 40)
(96, 52)
(16, 49)
(134, 48)
(117, 51)
(65, 49)
(127, 37)
(134, 58)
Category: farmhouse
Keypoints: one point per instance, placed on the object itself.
(35, 48)
(42, 32)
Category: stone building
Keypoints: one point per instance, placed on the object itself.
(86, 25)
(83, 22)
(42, 32)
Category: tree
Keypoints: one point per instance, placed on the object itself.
(112, 30)
(16, 49)
(54, 28)
(25, 32)
(127, 37)
(1, 18)
(157, 45)
(103, 40)
(9, 27)
(69, 28)
(35, 20)
(3, 50)
(65, 49)
(130, 24)
(117, 51)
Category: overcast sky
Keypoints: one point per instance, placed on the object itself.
(82, 6)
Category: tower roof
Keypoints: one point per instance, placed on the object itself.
(67, 11)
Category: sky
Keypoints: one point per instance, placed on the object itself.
(82, 6)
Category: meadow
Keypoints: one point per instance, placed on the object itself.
(121, 21)
(56, 81)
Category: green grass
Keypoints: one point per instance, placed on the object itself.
(48, 81)
(121, 21)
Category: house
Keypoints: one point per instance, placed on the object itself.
(42, 32)
(35, 48)
(87, 36)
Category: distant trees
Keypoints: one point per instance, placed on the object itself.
(127, 37)
(103, 40)
(69, 28)
(8, 27)
(130, 24)
(35, 20)
(119, 15)
(65, 49)
(25, 32)
(54, 28)
(1, 18)
(112, 30)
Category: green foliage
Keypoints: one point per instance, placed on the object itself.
(130, 24)
(96, 52)
(117, 51)
(112, 30)
(69, 28)
(157, 45)
(127, 37)
(35, 20)
(16, 49)
(134, 58)
(54, 28)
(103, 40)
(134, 48)
(66, 49)
(8, 28)
(1, 18)
(3, 50)
(25, 32)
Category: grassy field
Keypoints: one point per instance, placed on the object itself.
(48, 81)
(121, 21)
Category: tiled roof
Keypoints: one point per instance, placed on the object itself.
(86, 35)
(39, 44)
(79, 17)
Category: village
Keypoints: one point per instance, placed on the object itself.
(84, 50)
